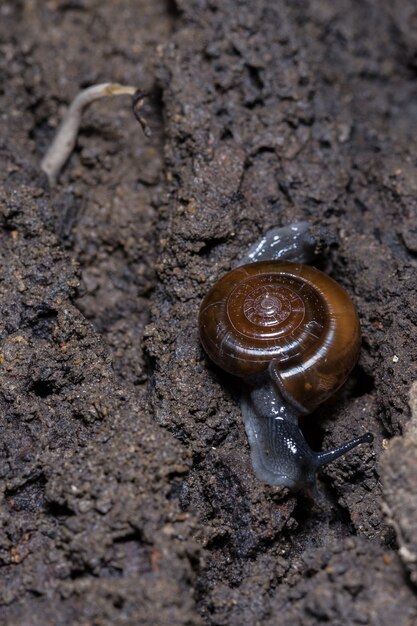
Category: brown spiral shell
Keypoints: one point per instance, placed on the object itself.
(288, 317)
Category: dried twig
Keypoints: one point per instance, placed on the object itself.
(66, 135)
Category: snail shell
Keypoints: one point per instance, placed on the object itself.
(287, 317)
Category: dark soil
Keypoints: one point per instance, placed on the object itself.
(127, 491)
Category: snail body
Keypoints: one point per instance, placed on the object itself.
(293, 335)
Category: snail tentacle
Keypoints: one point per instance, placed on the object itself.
(323, 458)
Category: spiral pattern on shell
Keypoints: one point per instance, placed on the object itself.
(288, 317)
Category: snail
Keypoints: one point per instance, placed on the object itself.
(292, 334)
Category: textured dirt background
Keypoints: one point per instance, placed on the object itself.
(127, 494)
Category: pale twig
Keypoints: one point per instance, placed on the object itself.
(66, 135)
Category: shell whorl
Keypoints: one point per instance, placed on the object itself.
(288, 317)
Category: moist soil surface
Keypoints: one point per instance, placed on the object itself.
(127, 493)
